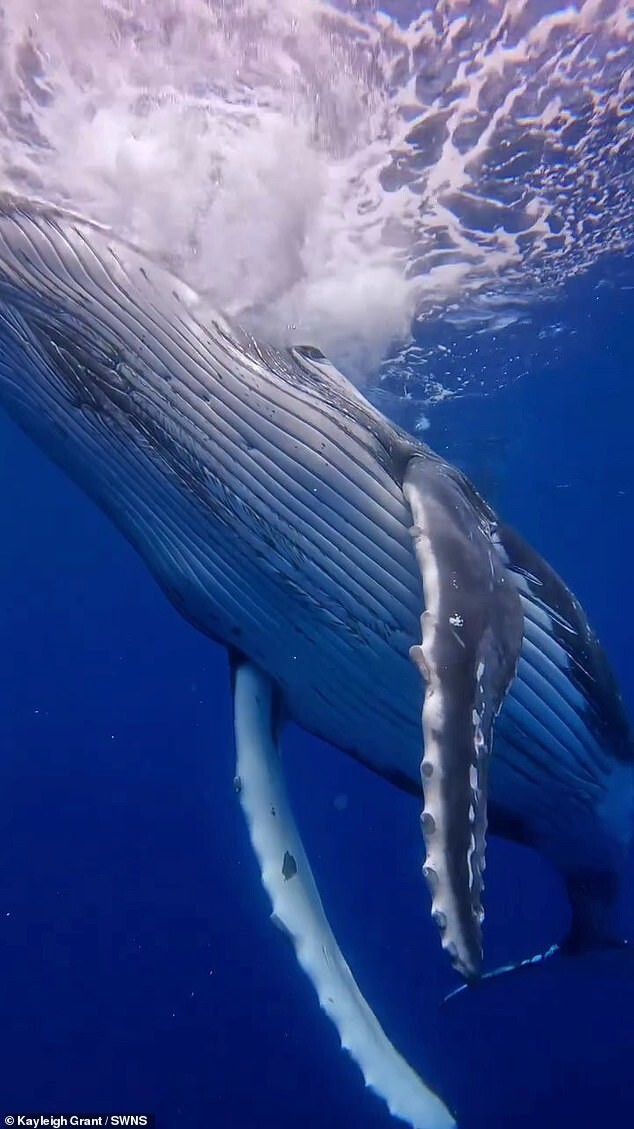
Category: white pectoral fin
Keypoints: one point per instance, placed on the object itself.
(289, 882)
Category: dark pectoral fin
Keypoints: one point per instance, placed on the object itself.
(471, 637)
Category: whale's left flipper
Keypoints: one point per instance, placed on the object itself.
(472, 630)
(288, 880)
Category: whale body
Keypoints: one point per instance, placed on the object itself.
(390, 609)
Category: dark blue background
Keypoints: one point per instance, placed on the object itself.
(138, 967)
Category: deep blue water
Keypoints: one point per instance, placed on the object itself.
(138, 965)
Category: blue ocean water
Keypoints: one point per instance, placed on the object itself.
(139, 967)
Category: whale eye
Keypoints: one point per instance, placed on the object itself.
(310, 352)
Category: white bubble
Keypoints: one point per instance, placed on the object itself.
(327, 176)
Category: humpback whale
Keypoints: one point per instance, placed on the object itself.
(361, 585)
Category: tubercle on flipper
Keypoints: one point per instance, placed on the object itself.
(471, 635)
(465, 952)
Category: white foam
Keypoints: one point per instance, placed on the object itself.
(328, 176)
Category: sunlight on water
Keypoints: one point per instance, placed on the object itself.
(328, 175)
